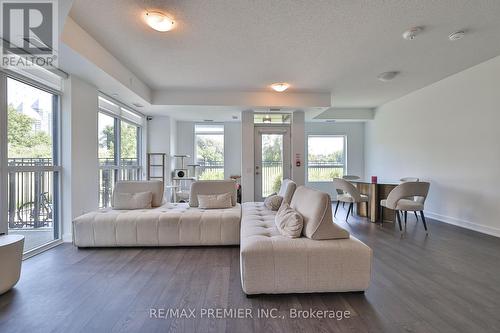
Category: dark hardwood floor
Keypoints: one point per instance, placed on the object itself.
(446, 282)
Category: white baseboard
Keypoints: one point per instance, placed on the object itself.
(67, 238)
(464, 224)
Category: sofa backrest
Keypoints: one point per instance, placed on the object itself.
(287, 189)
(212, 187)
(153, 186)
(316, 209)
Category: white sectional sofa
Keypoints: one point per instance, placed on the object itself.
(324, 259)
(272, 263)
(164, 224)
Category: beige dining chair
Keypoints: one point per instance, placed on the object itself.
(350, 194)
(398, 201)
(406, 180)
(409, 179)
(347, 177)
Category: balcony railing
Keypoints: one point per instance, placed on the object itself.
(211, 170)
(30, 200)
(319, 171)
(108, 175)
(272, 174)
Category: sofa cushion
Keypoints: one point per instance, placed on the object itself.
(287, 189)
(153, 186)
(205, 187)
(138, 200)
(214, 201)
(288, 221)
(316, 209)
(273, 202)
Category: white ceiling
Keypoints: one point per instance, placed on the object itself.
(333, 46)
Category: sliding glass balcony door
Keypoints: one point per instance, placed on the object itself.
(31, 170)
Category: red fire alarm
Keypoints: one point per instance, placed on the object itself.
(297, 160)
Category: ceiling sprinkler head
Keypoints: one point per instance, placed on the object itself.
(387, 76)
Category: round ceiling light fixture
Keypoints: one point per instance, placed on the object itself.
(159, 21)
(456, 35)
(280, 86)
(387, 76)
(412, 33)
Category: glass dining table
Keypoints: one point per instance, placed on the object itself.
(375, 192)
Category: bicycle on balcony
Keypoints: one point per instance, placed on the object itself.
(29, 215)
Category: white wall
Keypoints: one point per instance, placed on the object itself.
(355, 133)
(159, 139)
(298, 148)
(185, 141)
(247, 156)
(446, 133)
(173, 142)
(79, 151)
(232, 148)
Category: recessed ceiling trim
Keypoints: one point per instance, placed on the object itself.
(251, 99)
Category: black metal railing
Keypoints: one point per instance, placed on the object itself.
(324, 170)
(129, 169)
(30, 194)
(272, 174)
(211, 170)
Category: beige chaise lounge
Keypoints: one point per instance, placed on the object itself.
(164, 224)
(272, 263)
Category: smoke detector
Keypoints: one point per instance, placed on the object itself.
(387, 76)
(456, 35)
(412, 33)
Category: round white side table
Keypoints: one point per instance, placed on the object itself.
(11, 255)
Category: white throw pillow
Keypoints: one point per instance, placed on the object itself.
(138, 200)
(288, 221)
(273, 202)
(213, 201)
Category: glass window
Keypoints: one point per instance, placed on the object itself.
(326, 158)
(107, 139)
(30, 123)
(272, 163)
(272, 118)
(119, 148)
(33, 170)
(129, 151)
(108, 164)
(209, 150)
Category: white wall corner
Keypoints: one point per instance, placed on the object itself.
(247, 156)
(67, 238)
(80, 167)
(298, 141)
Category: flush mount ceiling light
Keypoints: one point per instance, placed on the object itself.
(159, 21)
(280, 86)
(412, 33)
(267, 119)
(387, 76)
(456, 35)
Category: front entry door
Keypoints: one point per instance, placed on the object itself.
(272, 159)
